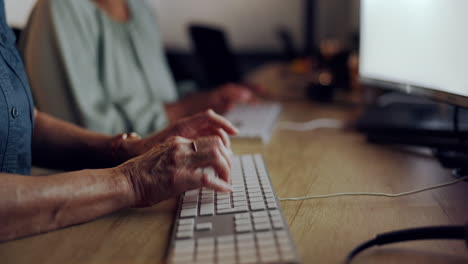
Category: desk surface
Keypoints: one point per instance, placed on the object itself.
(325, 230)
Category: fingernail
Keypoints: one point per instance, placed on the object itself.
(221, 183)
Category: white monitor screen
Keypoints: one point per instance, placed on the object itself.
(421, 43)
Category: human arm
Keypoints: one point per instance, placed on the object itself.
(36, 204)
(31, 205)
(220, 100)
(61, 145)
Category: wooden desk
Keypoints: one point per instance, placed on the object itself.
(300, 163)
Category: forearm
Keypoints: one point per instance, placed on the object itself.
(31, 205)
(61, 145)
(189, 105)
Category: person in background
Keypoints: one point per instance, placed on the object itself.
(112, 172)
(108, 55)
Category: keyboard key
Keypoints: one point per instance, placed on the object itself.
(205, 241)
(243, 228)
(244, 237)
(226, 211)
(256, 199)
(243, 221)
(188, 213)
(246, 245)
(256, 194)
(186, 222)
(276, 218)
(184, 234)
(239, 198)
(262, 227)
(274, 213)
(189, 205)
(257, 206)
(254, 190)
(278, 224)
(223, 201)
(264, 235)
(223, 206)
(207, 211)
(242, 216)
(225, 239)
(260, 220)
(272, 206)
(238, 194)
(240, 209)
(204, 226)
(184, 228)
(259, 214)
(184, 243)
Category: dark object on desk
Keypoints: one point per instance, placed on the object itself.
(338, 65)
(324, 89)
(216, 58)
(452, 159)
(427, 125)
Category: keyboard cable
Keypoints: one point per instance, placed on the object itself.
(391, 195)
(431, 232)
(311, 125)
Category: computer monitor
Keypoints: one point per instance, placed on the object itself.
(417, 46)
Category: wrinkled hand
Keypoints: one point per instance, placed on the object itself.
(172, 168)
(220, 100)
(203, 124)
(225, 97)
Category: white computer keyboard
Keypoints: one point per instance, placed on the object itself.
(245, 226)
(254, 121)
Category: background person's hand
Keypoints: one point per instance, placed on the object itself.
(173, 167)
(226, 96)
(220, 100)
(203, 124)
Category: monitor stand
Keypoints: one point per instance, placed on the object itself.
(423, 123)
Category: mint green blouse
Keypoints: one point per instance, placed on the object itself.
(114, 74)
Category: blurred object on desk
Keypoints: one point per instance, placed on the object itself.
(324, 79)
(281, 81)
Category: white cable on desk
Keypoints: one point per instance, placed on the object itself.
(392, 195)
(311, 125)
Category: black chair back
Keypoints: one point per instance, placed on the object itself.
(216, 58)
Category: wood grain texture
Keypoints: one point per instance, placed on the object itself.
(300, 163)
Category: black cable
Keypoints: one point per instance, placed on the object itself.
(435, 232)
